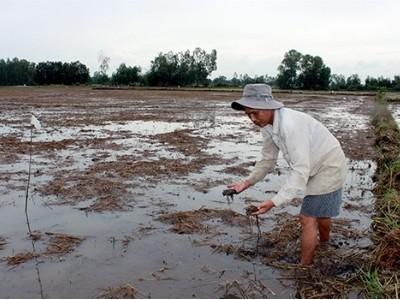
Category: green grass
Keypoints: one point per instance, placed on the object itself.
(396, 166)
(378, 286)
(373, 286)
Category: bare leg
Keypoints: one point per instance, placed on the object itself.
(324, 228)
(308, 239)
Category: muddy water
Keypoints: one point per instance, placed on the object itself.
(129, 244)
(395, 110)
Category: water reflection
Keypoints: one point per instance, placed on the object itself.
(32, 238)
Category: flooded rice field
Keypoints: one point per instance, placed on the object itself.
(125, 196)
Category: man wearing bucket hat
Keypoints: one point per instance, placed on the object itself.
(315, 157)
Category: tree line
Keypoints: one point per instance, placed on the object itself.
(20, 72)
(296, 71)
(166, 69)
(307, 72)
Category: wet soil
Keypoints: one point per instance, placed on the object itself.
(135, 179)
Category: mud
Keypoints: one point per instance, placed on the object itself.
(123, 172)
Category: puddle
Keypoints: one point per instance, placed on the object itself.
(394, 108)
(179, 161)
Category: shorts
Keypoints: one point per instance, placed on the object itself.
(322, 206)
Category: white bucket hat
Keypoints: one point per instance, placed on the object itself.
(257, 96)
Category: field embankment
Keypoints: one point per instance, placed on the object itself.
(382, 278)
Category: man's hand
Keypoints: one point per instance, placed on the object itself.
(239, 186)
(264, 207)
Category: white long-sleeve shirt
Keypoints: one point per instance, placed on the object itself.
(315, 157)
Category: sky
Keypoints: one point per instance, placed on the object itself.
(351, 36)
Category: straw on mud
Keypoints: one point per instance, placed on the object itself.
(126, 291)
(387, 253)
(20, 258)
(186, 222)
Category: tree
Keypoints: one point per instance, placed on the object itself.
(235, 80)
(185, 64)
(75, 73)
(270, 80)
(16, 71)
(202, 66)
(287, 70)
(353, 83)
(314, 74)
(220, 81)
(182, 68)
(396, 83)
(49, 73)
(61, 73)
(164, 70)
(371, 84)
(303, 71)
(101, 77)
(126, 75)
(104, 63)
(384, 83)
(337, 82)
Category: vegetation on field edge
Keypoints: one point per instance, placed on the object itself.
(381, 276)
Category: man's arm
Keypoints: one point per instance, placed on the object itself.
(269, 154)
(298, 147)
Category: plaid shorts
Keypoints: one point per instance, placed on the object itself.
(322, 206)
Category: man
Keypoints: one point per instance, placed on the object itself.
(315, 157)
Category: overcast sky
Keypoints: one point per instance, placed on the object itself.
(250, 36)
